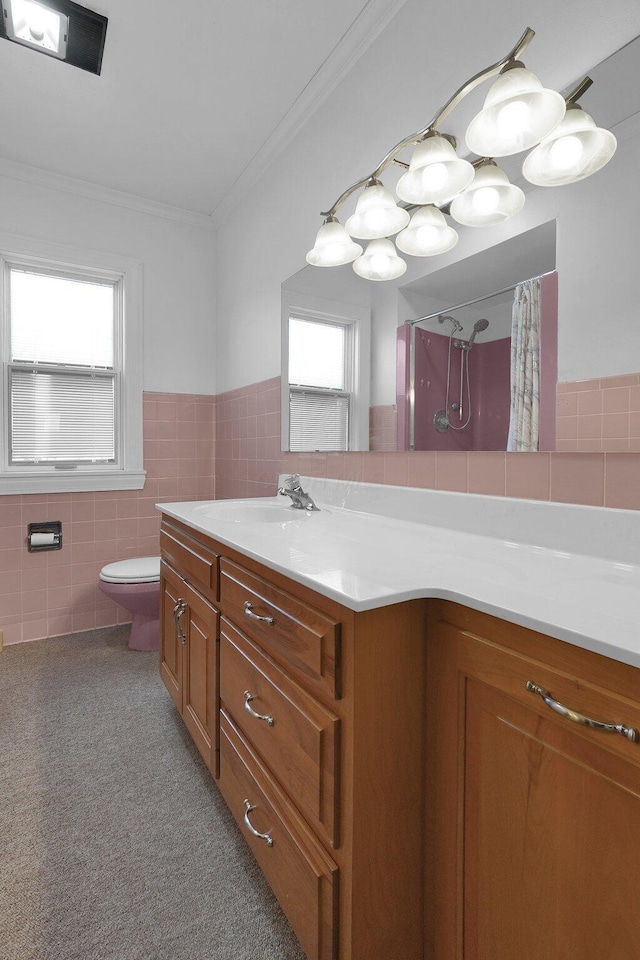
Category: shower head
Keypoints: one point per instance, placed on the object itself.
(456, 328)
(478, 327)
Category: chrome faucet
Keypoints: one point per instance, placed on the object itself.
(299, 499)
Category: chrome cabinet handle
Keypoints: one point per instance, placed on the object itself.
(248, 807)
(178, 613)
(629, 732)
(248, 609)
(248, 697)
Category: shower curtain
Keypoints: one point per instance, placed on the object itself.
(525, 367)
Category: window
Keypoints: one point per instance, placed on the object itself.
(71, 405)
(326, 405)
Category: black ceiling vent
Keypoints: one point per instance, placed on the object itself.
(82, 32)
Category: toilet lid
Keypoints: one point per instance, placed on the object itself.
(136, 570)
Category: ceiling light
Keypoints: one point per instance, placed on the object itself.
(490, 199)
(436, 174)
(575, 150)
(377, 214)
(57, 28)
(380, 262)
(36, 25)
(333, 246)
(428, 234)
(518, 112)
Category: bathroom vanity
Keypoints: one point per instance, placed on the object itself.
(386, 749)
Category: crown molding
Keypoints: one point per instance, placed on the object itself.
(93, 191)
(367, 26)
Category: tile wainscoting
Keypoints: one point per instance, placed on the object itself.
(52, 593)
(601, 415)
(248, 460)
(198, 447)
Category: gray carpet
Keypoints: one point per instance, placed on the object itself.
(114, 841)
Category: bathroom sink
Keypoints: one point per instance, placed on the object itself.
(247, 511)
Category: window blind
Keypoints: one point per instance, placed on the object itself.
(61, 417)
(317, 353)
(61, 320)
(318, 421)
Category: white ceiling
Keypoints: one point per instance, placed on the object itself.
(196, 95)
(189, 91)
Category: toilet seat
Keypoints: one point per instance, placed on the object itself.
(136, 570)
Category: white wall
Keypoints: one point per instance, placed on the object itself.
(179, 288)
(403, 77)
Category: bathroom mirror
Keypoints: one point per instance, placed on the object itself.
(589, 232)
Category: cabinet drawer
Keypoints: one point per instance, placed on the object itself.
(302, 876)
(196, 562)
(296, 736)
(302, 639)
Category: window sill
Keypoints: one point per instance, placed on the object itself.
(71, 481)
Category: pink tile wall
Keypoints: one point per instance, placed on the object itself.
(599, 416)
(51, 593)
(597, 478)
(383, 428)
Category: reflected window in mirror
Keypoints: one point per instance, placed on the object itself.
(325, 401)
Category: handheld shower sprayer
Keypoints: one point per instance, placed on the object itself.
(478, 327)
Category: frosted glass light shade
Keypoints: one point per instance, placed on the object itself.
(436, 174)
(380, 262)
(518, 113)
(377, 214)
(490, 199)
(575, 150)
(428, 234)
(333, 246)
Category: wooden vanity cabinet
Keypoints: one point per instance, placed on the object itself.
(533, 821)
(336, 780)
(189, 659)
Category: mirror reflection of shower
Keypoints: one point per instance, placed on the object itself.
(456, 411)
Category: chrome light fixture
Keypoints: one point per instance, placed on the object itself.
(436, 174)
(333, 246)
(380, 262)
(428, 234)
(377, 214)
(518, 113)
(575, 150)
(490, 199)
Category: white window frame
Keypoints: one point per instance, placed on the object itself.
(357, 320)
(127, 473)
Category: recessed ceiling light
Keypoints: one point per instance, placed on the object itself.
(36, 25)
(58, 28)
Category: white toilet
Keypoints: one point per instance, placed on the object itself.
(135, 585)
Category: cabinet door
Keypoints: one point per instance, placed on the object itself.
(534, 822)
(200, 676)
(172, 589)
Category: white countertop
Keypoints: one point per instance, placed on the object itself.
(533, 571)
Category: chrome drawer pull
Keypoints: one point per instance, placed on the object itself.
(629, 732)
(248, 609)
(248, 697)
(178, 613)
(261, 836)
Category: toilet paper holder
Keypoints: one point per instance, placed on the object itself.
(44, 536)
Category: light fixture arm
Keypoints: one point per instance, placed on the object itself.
(441, 115)
(578, 91)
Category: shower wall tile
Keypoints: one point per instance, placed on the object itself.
(383, 428)
(51, 593)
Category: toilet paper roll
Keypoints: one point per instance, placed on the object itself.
(42, 539)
